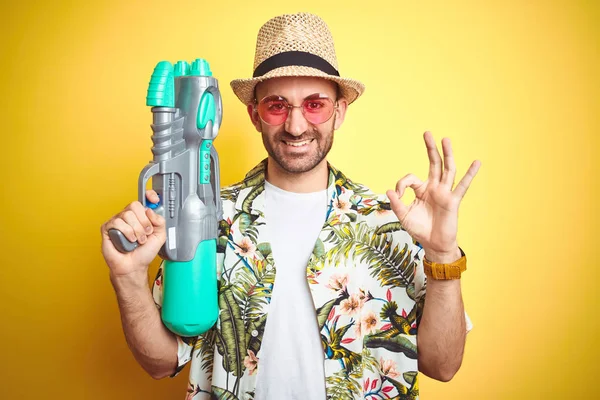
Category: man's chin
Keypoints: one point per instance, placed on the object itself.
(298, 165)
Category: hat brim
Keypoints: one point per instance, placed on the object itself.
(244, 88)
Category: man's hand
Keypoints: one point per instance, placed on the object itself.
(137, 224)
(432, 218)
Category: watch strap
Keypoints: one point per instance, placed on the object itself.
(446, 271)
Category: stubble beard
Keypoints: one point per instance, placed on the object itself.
(302, 163)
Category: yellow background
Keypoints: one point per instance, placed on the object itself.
(513, 84)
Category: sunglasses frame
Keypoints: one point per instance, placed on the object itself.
(291, 106)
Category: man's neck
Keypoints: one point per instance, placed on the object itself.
(306, 182)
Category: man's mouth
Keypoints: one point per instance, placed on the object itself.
(298, 144)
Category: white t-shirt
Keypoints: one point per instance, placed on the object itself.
(291, 362)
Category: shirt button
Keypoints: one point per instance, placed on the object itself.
(269, 267)
(254, 333)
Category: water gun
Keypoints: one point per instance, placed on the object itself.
(187, 111)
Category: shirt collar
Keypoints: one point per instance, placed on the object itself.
(256, 176)
(255, 180)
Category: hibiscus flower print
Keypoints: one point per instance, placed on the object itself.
(351, 305)
(388, 368)
(342, 204)
(338, 281)
(251, 362)
(369, 322)
(246, 248)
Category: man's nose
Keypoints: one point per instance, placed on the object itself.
(296, 124)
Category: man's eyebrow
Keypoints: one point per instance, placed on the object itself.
(274, 95)
(312, 95)
(318, 95)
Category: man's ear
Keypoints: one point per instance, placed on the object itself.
(340, 112)
(254, 116)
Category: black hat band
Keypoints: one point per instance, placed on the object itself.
(294, 58)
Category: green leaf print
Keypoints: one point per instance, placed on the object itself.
(230, 193)
(398, 344)
(410, 291)
(254, 192)
(342, 387)
(244, 221)
(389, 227)
(319, 249)
(206, 350)
(222, 244)
(253, 288)
(232, 345)
(392, 266)
(368, 361)
(223, 394)
(325, 309)
(409, 377)
(323, 312)
(256, 176)
(254, 342)
(264, 249)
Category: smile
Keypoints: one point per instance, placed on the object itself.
(298, 144)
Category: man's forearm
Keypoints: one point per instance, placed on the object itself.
(442, 330)
(152, 344)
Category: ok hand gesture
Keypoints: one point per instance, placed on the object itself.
(432, 218)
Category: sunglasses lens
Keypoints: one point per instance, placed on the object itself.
(318, 110)
(273, 111)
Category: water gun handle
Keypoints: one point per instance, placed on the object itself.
(121, 243)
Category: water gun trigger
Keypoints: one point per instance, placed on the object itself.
(151, 205)
(121, 243)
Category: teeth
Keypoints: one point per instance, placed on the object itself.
(298, 144)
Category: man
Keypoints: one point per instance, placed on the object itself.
(340, 271)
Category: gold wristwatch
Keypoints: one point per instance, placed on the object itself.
(445, 271)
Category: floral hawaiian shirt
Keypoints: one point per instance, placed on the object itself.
(367, 283)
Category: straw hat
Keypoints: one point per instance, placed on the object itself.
(295, 45)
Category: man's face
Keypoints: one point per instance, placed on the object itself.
(298, 145)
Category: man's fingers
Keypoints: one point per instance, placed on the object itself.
(132, 220)
(465, 182)
(449, 167)
(120, 225)
(410, 180)
(152, 196)
(397, 204)
(140, 213)
(435, 161)
(157, 220)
